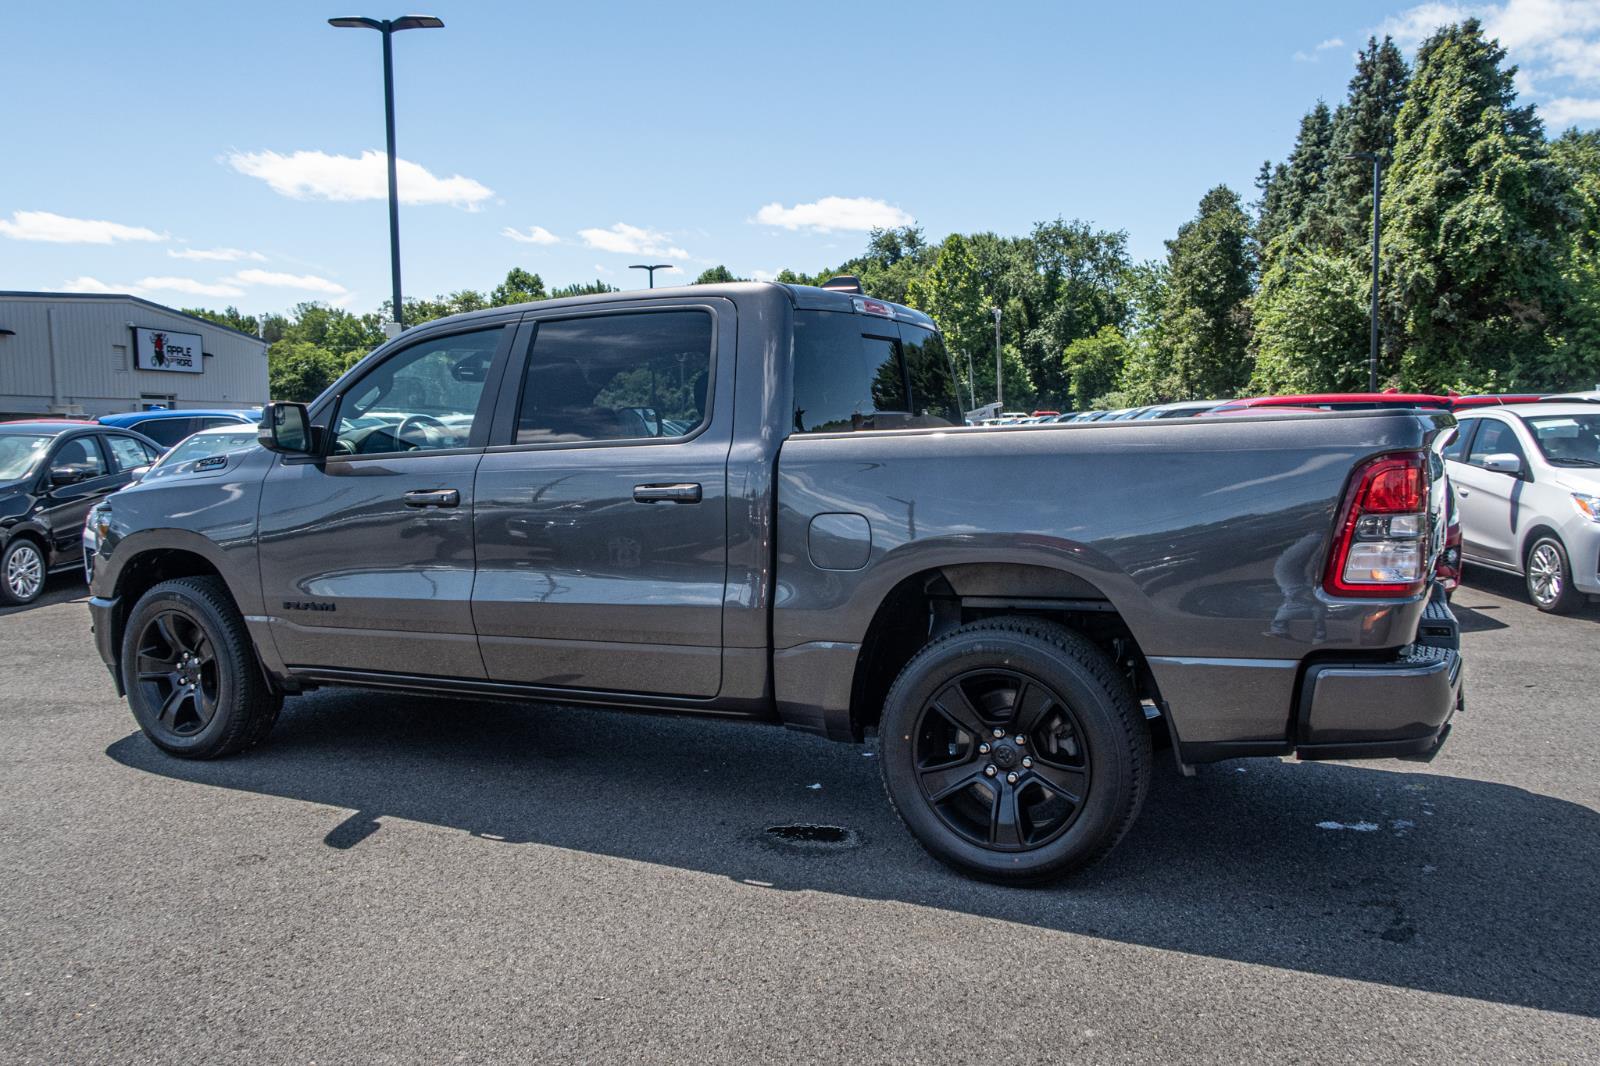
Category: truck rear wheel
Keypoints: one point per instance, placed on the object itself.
(191, 674)
(1014, 750)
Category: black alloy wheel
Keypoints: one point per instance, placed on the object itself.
(176, 669)
(193, 681)
(1014, 749)
(1001, 759)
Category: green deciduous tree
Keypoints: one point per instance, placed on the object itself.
(300, 371)
(518, 287)
(1310, 322)
(1094, 365)
(716, 274)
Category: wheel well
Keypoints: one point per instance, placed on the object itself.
(148, 569)
(1531, 538)
(38, 540)
(932, 602)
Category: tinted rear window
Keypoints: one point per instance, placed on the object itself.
(165, 431)
(852, 372)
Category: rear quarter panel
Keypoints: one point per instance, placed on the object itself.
(1200, 532)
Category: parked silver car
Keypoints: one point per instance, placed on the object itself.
(1527, 485)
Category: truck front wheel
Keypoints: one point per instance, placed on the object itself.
(1014, 750)
(191, 674)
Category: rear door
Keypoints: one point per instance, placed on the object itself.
(367, 552)
(601, 505)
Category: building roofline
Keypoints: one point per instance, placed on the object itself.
(131, 299)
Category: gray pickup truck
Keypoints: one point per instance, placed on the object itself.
(759, 502)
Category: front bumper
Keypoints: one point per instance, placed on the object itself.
(1398, 708)
(105, 619)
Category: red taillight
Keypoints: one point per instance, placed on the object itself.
(1381, 544)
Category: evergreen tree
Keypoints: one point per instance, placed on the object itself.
(1474, 233)
(1289, 193)
(1204, 325)
(1340, 216)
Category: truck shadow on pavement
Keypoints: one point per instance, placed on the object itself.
(1411, 879)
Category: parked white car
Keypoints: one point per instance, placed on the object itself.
(1527, 487)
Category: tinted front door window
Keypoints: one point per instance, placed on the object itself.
(423, 399)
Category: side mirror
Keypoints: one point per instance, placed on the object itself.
(1504, 463)
(286, 428)
(68, 474)
(138, 473)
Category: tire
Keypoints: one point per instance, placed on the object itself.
(214, 703)
(1087, 750)
(22, 572)
(1547, 573)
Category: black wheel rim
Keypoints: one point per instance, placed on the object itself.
(176, 671)
(1001, 760)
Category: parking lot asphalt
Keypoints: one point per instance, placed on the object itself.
(399, 879)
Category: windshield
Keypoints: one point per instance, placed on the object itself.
(201, 445)
(1567, 440)
(19, 452)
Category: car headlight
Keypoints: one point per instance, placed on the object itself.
(1588, 506)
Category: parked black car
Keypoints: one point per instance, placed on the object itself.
(51, 473)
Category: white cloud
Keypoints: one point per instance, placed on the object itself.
(1331, 42)
(764, 275)
(215, 255)
(187, 286)
(85, 283)
(534, 235)
(308, 175)
(632, 240)
(1566, 111)
(599, 269)
(1549, 40)
(1314, 55)
(59, 229)
(274, 279)
(835, 213)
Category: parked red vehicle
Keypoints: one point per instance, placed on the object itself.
(1339, 401)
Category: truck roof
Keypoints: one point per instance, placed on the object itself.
(805, 297)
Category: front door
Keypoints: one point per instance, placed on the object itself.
(66, 502)
(1490, 500)
(602, 505)
(367, 552)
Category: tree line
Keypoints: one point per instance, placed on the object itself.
(1489, 280)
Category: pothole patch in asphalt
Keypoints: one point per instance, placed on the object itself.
(808, 836)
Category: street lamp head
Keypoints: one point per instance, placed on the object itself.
(417, 22)
(405, 22)
(649, 266)
(1370, 157)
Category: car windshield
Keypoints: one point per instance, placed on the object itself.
(19, 452)
(1567, 440)
(201, 445)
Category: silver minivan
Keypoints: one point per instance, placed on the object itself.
(1527, 486)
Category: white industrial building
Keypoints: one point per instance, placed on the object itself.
(91, 354)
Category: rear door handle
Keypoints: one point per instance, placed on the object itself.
(432, 498)
(686, 492)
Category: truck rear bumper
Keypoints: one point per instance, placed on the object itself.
(1380, 710)
(1395, 709)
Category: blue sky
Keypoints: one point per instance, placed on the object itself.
(208, 153)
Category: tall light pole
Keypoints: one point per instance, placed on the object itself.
(1377, 215)
(652, 268)
(389, 27)
(999, 373)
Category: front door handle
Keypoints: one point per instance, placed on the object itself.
(686, 492)
(432, 498)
